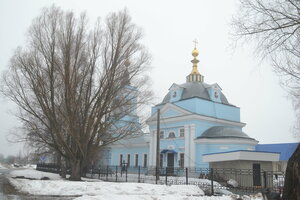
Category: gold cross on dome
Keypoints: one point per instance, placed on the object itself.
(195, 42)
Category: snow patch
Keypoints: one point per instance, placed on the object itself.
(151, 197)
(34, 174)
(91, 189)
(233, 183)
(72, 188)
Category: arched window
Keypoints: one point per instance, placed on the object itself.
(171, 135)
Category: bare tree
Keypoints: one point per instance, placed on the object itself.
(275, 27)
(77, 87)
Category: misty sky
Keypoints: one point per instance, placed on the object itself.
(169, 28)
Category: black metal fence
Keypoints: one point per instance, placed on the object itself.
(212, 181)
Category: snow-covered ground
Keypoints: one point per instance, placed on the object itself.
(91, 189)
(14, 166)
(34, 174)
(204, 184)
(2, 167)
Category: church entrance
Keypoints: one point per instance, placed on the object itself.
(170, 163)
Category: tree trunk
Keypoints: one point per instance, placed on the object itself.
(291, 190)
(76, 170)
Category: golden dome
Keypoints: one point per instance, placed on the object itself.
(195, 52)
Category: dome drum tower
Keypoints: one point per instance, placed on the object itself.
(195, 76)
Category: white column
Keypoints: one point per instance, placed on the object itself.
(192, 145)
(186, 146)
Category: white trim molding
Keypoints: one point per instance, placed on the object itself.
(226, 141)
(242, 155)
(129, 145)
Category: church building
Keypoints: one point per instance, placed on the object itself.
(197, 123)
(196, 119)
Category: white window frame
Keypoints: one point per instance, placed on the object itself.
(180, 132)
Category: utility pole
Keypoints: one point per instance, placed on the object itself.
(157, 145)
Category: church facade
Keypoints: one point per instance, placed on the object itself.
(196, 119)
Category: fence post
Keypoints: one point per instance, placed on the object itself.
(212, 180)
(121, 170)
(166, 175)
(186, 176)
(99, 172)
(156, 176)
(139, 177)
(107, 173)
(126, 173)
(116, 173)
(265, 179)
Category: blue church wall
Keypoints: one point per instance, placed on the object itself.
(180, 124)
(212, 109)
(227, 112)
(117, 151)
(215, 148)
(177, 143)
(201, 126)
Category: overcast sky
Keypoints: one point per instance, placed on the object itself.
(169, 28)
